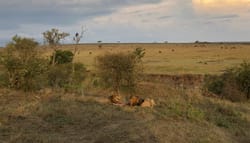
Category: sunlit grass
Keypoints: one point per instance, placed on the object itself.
(172, 58)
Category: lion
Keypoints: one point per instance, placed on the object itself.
(115, 99)
(135, 101)
(148, 103)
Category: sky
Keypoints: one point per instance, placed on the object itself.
(127, 20)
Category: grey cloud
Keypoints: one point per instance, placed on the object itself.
(229, 16)
(165, 17)
(208, 23)
(58, 12)
(25, 17)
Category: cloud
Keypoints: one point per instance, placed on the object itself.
(230, 16)
(127, 20)
(164, 17)
(60, 12)
(214, 7)
(22, 16)
(144, 16)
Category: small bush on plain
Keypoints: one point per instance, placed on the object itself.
(62, 57)
(119, 70)
(233, 84)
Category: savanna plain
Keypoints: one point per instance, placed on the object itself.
(173, 77)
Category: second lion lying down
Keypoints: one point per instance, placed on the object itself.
(133, 101)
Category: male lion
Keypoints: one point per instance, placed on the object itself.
(135, 101)
(115, 99)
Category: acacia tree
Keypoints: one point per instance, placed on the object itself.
(53, 38)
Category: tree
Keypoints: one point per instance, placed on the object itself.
(22, 64)
(53, 38)
(119, 70)
(77, 39)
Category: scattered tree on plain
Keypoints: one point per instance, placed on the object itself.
(53, 38)
(119, 70)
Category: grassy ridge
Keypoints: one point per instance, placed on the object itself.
(181, 115)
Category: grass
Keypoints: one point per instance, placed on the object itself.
(173, 58)
(181, 113)
(179, 116)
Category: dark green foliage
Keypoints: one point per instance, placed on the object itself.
(243, 78)
(233, 84)
(120, 70)
(62, 57)
(214, 84)
(139, 53)
(34, 75)
(53, 38)
(60, 76)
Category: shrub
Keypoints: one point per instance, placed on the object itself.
(243, 78)
(22, 64)
(60, 76)
(214, 84)
(62, 57)
(119, 70)
(233, 84)
(139, 53)
(34, 76)
(53, 38)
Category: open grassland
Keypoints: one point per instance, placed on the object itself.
(172, 58)
(181, 115)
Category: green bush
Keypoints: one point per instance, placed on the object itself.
(139, 53)
(62, 76)
(34, 76)
(120, 70)
(233, 84)
(243, 78)
(62, 57)
(214, 84)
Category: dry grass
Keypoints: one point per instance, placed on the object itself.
(181, 115)
(173, 58)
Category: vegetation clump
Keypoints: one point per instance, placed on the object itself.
(118, 70)
(23, 67)
(53, 38)
(62, 57)
(60, 76)
(233, 84)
